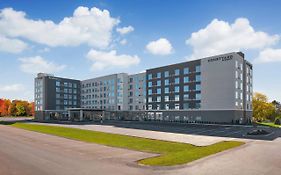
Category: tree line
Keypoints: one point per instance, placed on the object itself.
(16, 108)
(263, 110)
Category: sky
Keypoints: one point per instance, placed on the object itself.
(85, 39)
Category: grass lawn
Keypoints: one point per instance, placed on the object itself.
(271, 124)
(171, 153)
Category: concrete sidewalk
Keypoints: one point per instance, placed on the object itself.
(198, 140)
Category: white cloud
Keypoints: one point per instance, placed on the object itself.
(269, 55)
(110, 59)
(86, 26)
(45, 49)
(123, 41)
(11, 45)
(11, 88)
(38, 64)
(125, 30)
(220, 37)
(161, 46)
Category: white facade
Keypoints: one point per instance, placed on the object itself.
(137, 92)
(226, 83)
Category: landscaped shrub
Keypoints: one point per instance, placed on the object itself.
(277, 121)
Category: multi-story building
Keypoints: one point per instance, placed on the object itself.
(215, 89)
(55, 93)
(137, 92)
(107, 92)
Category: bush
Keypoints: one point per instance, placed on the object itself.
(277, 121)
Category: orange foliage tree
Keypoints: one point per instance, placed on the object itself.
(16, 108)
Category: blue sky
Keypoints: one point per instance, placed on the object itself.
(84, 39)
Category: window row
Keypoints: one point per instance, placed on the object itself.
(70, 91)
(66, 102)
(176, 89)
(66, 84)
(175, 106)
(175, 72)
(99, 83)
(175, 81)
(168, 98)
(66, 96)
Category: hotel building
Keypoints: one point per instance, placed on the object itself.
(216, 89)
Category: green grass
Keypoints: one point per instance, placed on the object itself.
(271, 124)
(170, 153)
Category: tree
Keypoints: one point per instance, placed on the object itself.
(262, 110)
(4, 107)
(12, 108)
(21, 110)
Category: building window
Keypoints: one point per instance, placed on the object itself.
(236, 84)
(236, 95)
(198, 78)
(241, 95)
(149, 84)
(177, 80)
(158, 106)
(185, 97)
(57, 83)
(159, 83)
(166, 73)
(197, 105)
(166, 90)
(166, 98)
(177, 89)
(177, 106)
(186, 88)
(186, 79)
(159, 75)
(186, 70)
(236, 74)
(149, 76)
(159, 91)
(177, 72)
(57, 89)
(177, 98)
(149, 91)
(74, 85)
(149, 107)
(186, 106)
(198, 96)
(158, 98)
(167, 106)
(198, 87)
(198, 68)
(167, 82)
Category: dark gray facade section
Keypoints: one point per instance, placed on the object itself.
(192, 101)
(55, 93)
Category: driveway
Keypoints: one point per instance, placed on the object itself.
(27, 153)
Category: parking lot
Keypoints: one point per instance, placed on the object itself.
(199, 129)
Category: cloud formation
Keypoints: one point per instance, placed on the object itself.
(110, 59)
(11, 88)
(86, 26)
(125, 30)
(221, 37)
(161, 46)
(11, 45)
(269, 55)
(38, 64)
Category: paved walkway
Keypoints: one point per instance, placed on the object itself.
(198, 140)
